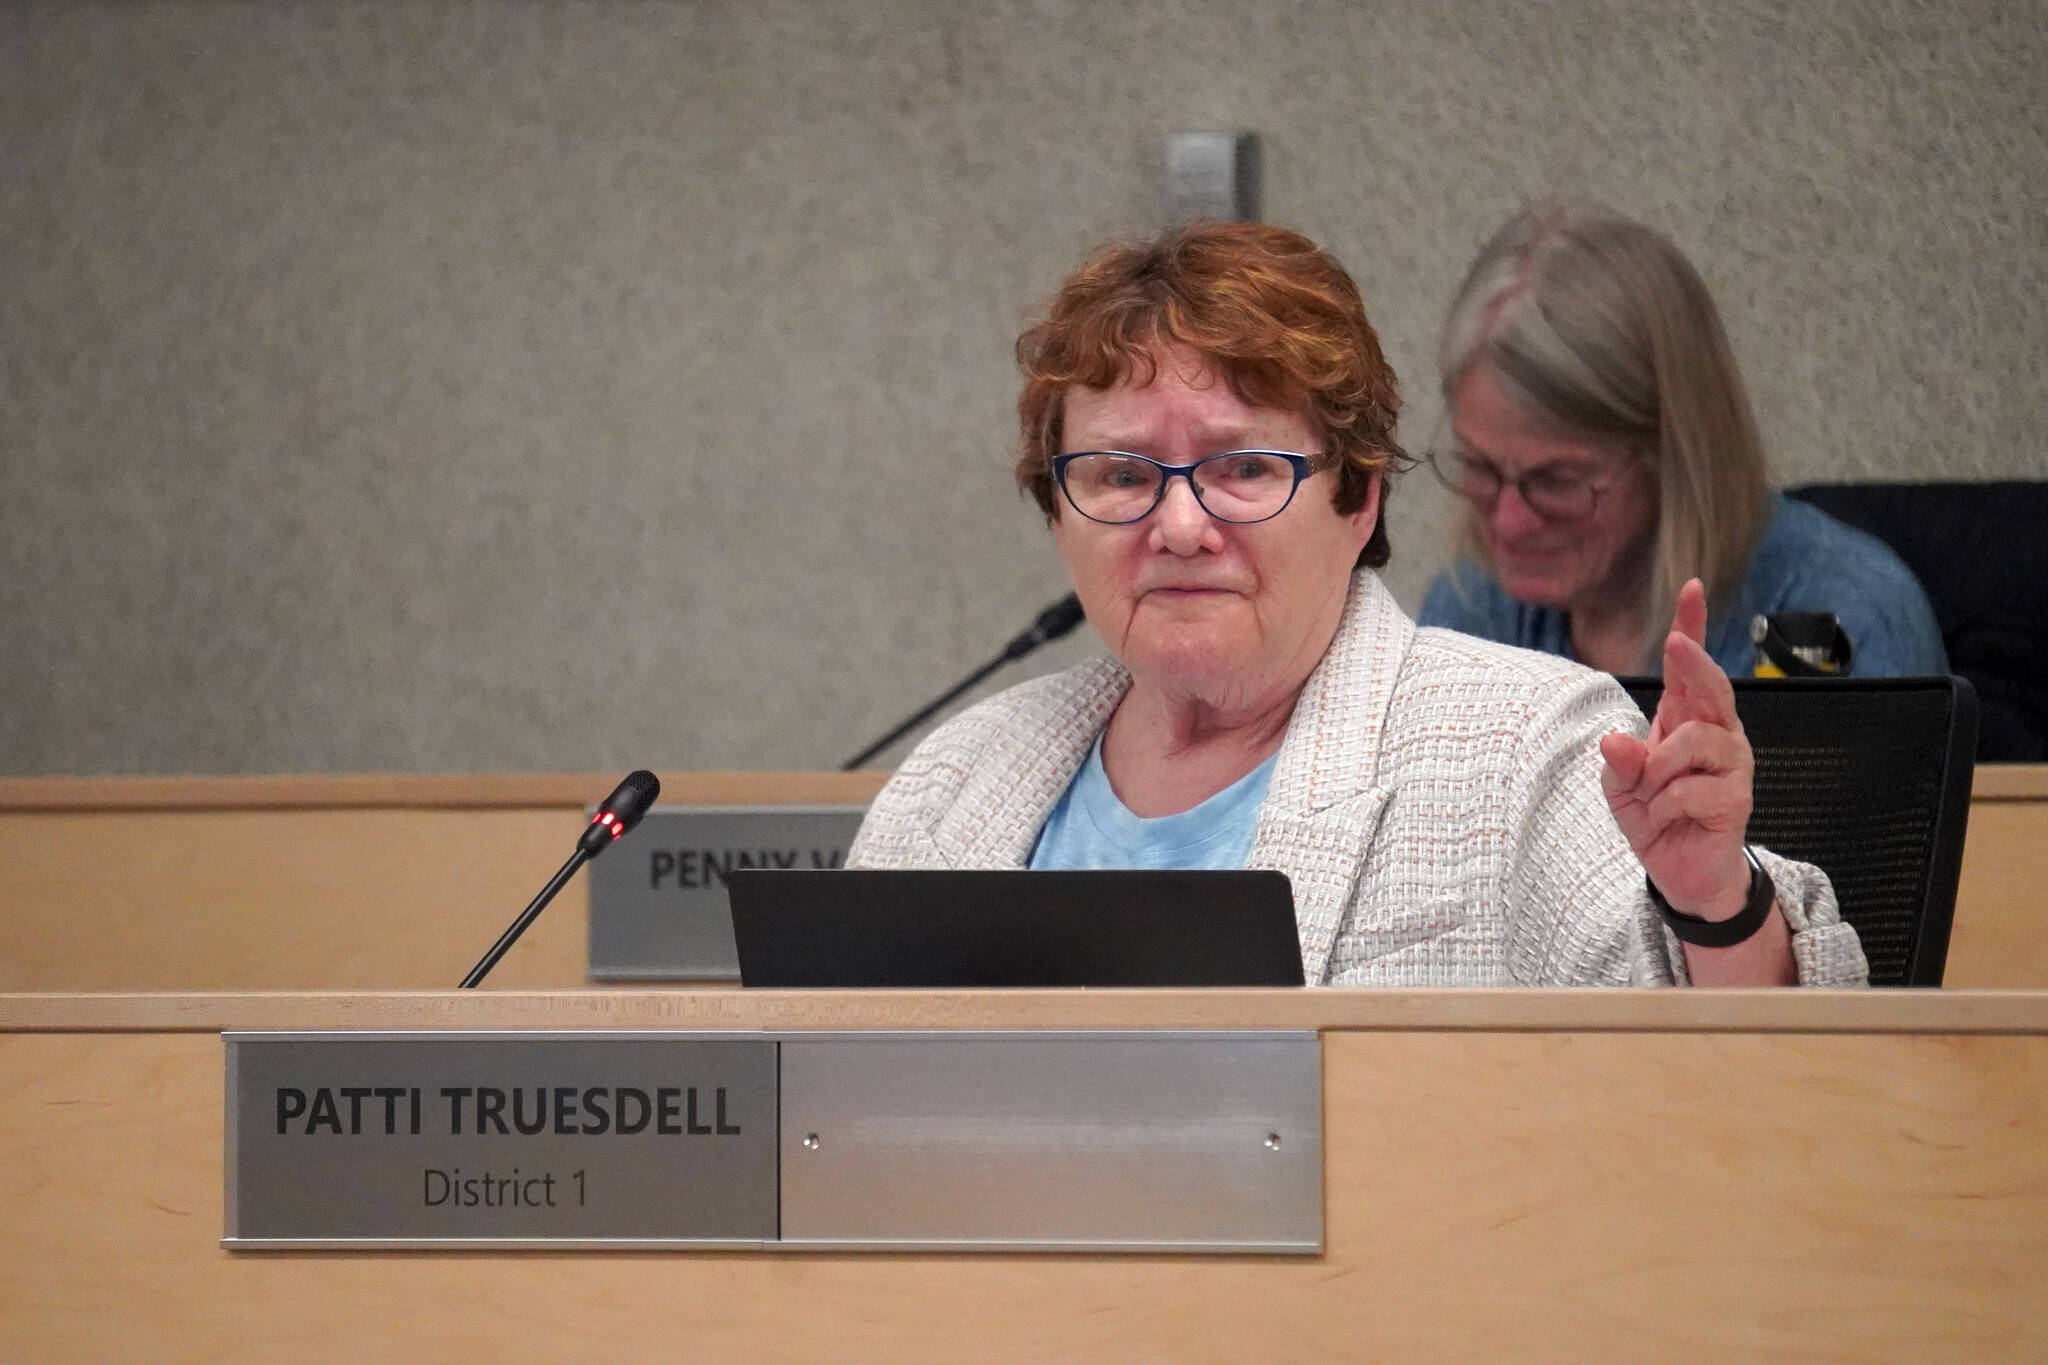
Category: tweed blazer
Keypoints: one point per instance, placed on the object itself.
(1436, 806)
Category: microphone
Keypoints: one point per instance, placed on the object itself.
(620, 812)
(1055, 621)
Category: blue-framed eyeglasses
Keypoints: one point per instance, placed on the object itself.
(1116, 487)
(1561, 493)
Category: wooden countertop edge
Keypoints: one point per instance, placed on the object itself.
(1440, 1010)
(575, 791)
(478, 791)
(2010, 782)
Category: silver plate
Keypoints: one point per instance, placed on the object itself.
(1048, 1141)
(658, 908)
(349, 1170)
(1053, 1141)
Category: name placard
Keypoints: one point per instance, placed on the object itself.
(366, 1139)
(658, 908)
(1039, 1141)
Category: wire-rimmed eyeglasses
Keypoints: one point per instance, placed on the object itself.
(1116, 487)
(1563, 493)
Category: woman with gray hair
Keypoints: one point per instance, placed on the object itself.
(1605, 449)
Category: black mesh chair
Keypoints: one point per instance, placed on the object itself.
(1978, 550)
(1868, 779)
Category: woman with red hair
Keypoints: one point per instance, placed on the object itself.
(1208, 425)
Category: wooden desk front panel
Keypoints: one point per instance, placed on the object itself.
(287, 899)
(1518, 1195)
(2000, 937)
(395, 883)
(313, 883)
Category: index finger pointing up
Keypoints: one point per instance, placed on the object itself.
(1695, 688)
(1689, 616)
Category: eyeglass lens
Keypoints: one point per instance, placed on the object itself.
(1551, 492)
(1244, 485)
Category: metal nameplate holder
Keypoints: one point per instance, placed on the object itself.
(1042, 1141)
(658, 908)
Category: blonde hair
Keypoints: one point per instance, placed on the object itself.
(1601, 326)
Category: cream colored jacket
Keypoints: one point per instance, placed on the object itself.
(1436, 806)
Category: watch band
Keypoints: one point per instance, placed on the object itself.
(1722, 933)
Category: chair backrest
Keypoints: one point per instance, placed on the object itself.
(1978, 550)
(1868, 779)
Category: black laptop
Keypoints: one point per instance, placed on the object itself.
(941, 929)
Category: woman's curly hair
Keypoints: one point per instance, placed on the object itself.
(1274, 313)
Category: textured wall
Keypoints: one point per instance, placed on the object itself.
(562, 386)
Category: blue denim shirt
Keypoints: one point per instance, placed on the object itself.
(1806, 561)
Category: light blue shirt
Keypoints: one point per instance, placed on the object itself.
(1806, 561)
(1091, 828)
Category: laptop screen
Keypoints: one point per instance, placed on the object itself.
(941, 929)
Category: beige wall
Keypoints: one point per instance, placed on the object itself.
(576, 386)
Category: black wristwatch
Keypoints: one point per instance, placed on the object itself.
(1722, 933)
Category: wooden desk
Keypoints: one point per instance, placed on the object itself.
(1525, 1175)
(310, 883)
(401, 882)
(2001, 930)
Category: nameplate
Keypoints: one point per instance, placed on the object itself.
(381, 1139)
(1055, 1141)
(658, 909)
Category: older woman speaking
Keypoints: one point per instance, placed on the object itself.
(1208, 425)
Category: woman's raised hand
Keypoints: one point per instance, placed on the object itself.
(1682, 797)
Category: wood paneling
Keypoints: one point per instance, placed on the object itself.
(1536, 1192)
(371, 882)
(2000, 937)
(1590, 1010)
(472, 791)
(313, 883)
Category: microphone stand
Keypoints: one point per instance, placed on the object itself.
(526, 917)
(620, 812)
(1055, 621)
